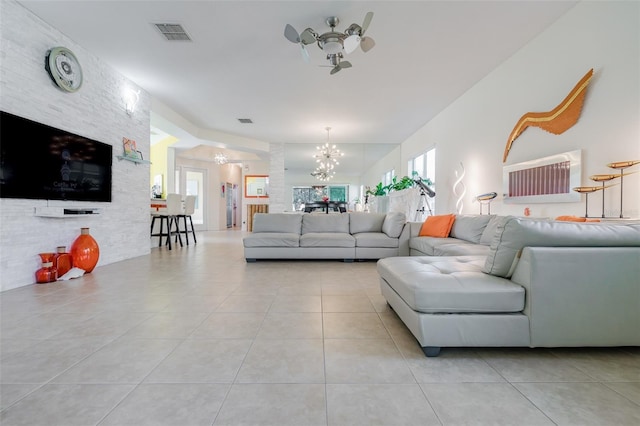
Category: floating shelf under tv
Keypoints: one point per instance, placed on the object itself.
(133, 160)
(66, 212)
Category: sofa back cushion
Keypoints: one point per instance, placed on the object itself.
(514, 233)
(490, 229)
(277, 222)
(325, 223)
(469, 227)
(393, 224)
(365, 222)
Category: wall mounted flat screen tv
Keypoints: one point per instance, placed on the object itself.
(41, 162)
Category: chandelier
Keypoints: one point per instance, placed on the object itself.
(322, 173)
(327, 158)
(220, 158)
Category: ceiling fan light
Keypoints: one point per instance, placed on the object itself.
(332, 47)
(351, 43)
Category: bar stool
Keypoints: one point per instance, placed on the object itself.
(189, 209)
(168, 217)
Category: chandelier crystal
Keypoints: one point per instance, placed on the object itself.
(220, 158)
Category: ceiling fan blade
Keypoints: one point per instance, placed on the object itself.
(335, 69)
(307, 36)
(367, 21)
(367, 44)
(291, 34)
(305, 53)
(345, 64)
(351, 43)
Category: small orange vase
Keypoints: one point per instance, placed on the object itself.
(62, 261)
(46, 274)
(85, 251)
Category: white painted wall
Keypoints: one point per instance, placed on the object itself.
(473, 130)
(95, 111)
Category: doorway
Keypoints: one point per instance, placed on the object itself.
(192, 182)
(230, 202)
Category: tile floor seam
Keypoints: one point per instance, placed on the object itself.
(37, 388)
(435, 412)
(117, 404)
(513, 386)
(621, 394)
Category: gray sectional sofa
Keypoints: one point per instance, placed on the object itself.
(346, 236)
(539, 283)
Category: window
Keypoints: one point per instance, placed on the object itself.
(424, 165)
(388, 177)
(309, 194)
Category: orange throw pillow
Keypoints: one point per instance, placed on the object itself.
(437, 226)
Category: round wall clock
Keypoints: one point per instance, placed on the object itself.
(64, 69)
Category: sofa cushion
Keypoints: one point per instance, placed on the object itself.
(437, 226)
(433, 246)
(365, 222)
(393, 224)
(489, 230)
(277, 222)
(450, 284)
(375, 239)
(469, 227)
(327, 239)
(325, 223)
(271, 239)
(515, 233)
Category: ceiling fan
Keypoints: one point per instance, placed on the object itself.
(334, 43)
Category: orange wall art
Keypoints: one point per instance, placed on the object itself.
(556, 121)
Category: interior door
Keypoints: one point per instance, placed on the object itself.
(229, 200)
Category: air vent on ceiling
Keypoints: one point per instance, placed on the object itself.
(245, 120)
(173, 32)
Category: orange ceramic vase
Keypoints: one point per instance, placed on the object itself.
(62, 261)
(46, 274)
(85, 251)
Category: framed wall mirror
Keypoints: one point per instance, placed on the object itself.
(256, 186)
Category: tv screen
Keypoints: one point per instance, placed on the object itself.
(41, 162)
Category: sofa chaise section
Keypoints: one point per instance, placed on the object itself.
(542, 284)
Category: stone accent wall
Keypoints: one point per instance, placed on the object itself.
(277, 202)
(95, 111)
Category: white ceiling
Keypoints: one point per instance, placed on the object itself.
(239, 64)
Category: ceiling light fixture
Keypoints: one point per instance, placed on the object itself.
(327, 158)
(322, 174)
(220, 158)
(333, 43)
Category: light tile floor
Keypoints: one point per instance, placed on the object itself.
(196, 336)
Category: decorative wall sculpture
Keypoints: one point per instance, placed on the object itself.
(556, 121)
(459, 190)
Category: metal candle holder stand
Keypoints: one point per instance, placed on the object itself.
(586, 190)
(620, 165)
